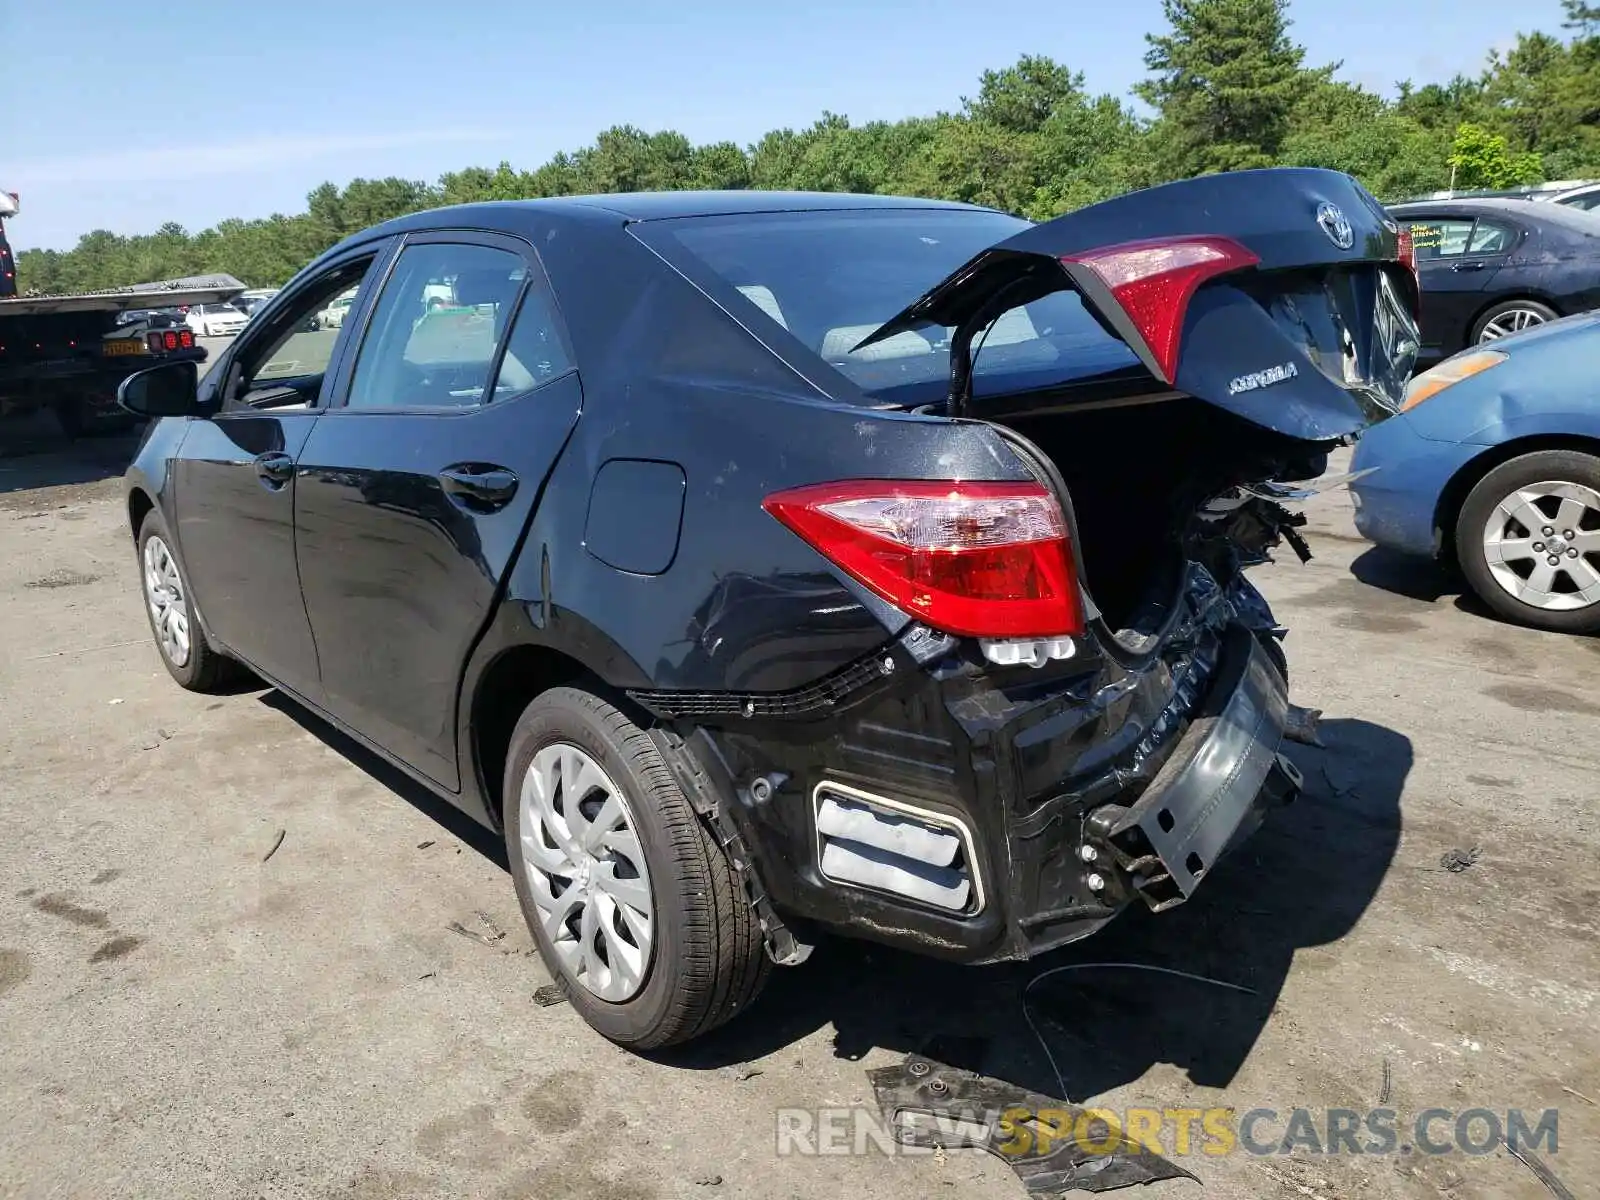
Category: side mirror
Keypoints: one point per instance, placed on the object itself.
(170, 390)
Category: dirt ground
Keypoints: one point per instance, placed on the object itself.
(185, 1016)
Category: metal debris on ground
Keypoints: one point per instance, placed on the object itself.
(1457, 861)
(482, 939)
(161, 736)
(276, 842)
(1388, 1080)
(1577, 1093)
(495, 932)
(424, 845)
(745, 1071)
(1546, 1176)
(1300, 725)
(548, 995)
(931, 1105)
(708, 1180)
(1027, 1013)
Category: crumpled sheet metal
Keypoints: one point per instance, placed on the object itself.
(927, 1104)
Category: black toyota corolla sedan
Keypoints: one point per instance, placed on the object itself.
(768, 564)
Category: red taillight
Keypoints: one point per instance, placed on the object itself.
(1408, 251)
(1153, 281)
(186, 339)
(169, 340)
(976, 559)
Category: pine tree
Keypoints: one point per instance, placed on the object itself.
(1225, 80)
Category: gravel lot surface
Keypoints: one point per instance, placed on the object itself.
(184, 1016)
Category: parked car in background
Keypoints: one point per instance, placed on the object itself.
(333, 316)
(1586, 197)
(885, 573)
(215, 320)
(1494, 466)
(1493, 267)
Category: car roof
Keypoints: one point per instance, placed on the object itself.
(647, 206)
(1538, 214)
(1466, 206)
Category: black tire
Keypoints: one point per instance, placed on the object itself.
(708, 961)
(1543, 311)
(1566, 466)
(205, 669)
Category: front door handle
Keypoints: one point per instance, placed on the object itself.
(479, 487)
(275, 468)
(1468, 266)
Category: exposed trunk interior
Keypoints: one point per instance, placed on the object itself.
(1137, 473)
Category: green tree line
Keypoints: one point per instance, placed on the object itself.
(1227, 89)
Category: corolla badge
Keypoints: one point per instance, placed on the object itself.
(1336, 225)
(1257, 380)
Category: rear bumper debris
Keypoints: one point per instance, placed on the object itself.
(983, 815)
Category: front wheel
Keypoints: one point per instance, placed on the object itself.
(635, 909)
(186, 654)
(1528, 540)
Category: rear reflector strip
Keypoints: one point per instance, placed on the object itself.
(1153, 282)
(887, 846)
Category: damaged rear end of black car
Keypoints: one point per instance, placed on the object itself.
(1080, 700)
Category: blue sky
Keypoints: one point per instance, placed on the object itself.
(196, 112)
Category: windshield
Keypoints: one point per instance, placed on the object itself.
(832, 277)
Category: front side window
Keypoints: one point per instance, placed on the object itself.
(294, 345)
(432, 337)
(1445, 238)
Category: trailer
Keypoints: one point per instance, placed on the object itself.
(69, 353)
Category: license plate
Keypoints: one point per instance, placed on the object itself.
(120, 348)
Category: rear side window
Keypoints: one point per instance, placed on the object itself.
(830, 278)
(433, 333)
(1491, 237)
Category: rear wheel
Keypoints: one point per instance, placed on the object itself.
(186, 654)
(1513, 316)
(635, 909)
(1528, 540)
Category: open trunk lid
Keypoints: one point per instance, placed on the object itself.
(1287, 297)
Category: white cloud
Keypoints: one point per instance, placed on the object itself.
(226, 158)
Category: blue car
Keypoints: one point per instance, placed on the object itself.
(1493, 463)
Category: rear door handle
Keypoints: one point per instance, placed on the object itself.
(479, 487)
(275, 468)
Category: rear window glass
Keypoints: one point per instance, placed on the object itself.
(830, 278)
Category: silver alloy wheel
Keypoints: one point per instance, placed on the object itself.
(1513, 320)
(169, 609)
(586, 871)
(1542, 545)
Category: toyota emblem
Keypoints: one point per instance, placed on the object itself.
(1335, 225)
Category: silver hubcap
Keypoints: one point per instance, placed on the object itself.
(1513, 320)
(169, 612)
(587, 873)
(1542, 545)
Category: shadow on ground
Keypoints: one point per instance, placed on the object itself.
(34, 454)
(1106, 1025)
(1417, 579)
(455, 822)
(1285, 890)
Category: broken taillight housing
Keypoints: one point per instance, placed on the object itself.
(973, 559)
(1153, 282)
